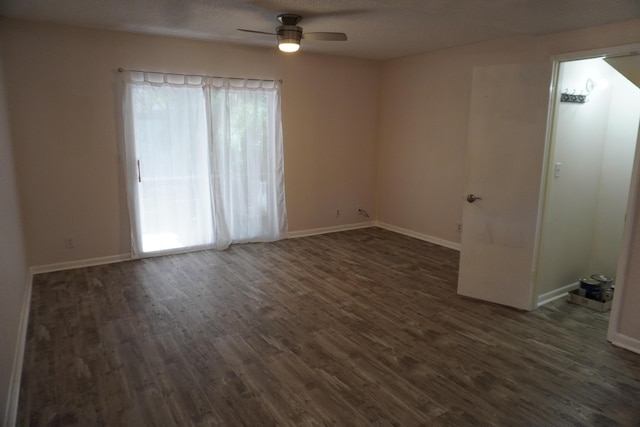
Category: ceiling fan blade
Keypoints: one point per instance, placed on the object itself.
(325, 36)
(257, 32)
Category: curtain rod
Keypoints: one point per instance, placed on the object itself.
(121, 70)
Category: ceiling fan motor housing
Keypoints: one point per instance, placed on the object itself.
(289, 32)
(289, 19)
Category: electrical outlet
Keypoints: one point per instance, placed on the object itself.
(68, 243)
(459, 228)
(338, 213)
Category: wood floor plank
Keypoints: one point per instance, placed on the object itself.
(361, 327)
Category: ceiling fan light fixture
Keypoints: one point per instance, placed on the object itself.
(289, 34)
(289, 37)
(288, 45)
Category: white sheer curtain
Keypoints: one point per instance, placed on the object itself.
(204, 162)
(247, 165)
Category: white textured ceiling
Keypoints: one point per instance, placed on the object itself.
(377, 29)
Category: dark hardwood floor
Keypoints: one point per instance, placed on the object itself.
(355, 328)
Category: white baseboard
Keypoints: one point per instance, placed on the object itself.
(556, 294)
(425, 237)
(325, 230)
(11, 413)
(626, 342)
(90, 262)
(410, 233)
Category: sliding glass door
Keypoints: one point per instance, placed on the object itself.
(204, 162)
(172, 164)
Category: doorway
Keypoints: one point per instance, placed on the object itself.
(593, 134)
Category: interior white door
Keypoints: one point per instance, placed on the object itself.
(507, 127)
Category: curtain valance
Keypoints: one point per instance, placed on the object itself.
(172, 79)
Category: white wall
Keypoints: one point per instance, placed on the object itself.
(585, 205)
(580, 213)
(13, 262)
(615, 177)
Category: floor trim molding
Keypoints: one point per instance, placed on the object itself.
(626, 342)
(335, 229)
(89, 262)
(556, 294)
(13, 398)
(420, 236)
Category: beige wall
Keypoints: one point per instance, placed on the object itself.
(13, 262)
(424, 115)
(61, 88)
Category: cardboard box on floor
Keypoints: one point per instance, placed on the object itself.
(591, 303)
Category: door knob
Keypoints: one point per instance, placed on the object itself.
(471, 198)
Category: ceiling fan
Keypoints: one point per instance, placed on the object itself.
(289, 34)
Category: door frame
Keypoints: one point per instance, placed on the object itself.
(634, 188)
